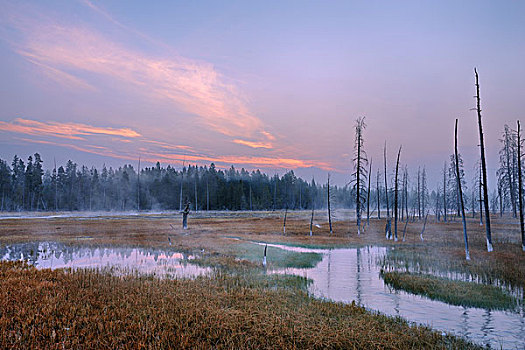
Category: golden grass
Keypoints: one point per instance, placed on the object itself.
(78, 309)
(441, 249)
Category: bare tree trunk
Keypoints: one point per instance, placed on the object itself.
(520, 190)
(480, 199)
(458, 179)
(328, 204)
(138, 187)
(368, 194)
(312, 218)
(406, 191)
(396, 195)
(358, 181)
(378, 196)
(284, 222)
(56, 185)
(419, 193)
(388, 231)
(424, 226)
(445, 192)
(483, 167)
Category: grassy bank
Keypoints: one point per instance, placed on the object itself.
(60, 309)
(452, 292)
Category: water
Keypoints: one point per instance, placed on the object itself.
(353, 274)
(342, 275)
(145, 261)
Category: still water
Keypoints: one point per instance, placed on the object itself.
(353, 274)
(145, 261)
(343, 275)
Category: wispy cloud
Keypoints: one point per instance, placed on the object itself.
(253, 144)
(72, 131)
(68, 52)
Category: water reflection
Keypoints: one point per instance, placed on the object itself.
(161, 263)
(353, 274)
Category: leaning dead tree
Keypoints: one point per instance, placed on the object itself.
(483, 167)
(396, 185)
(328, 204)
(360, 173)
(520, 190)
(458, 180)
(388, 230)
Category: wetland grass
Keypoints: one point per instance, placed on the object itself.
(73, 309)
(460, 293)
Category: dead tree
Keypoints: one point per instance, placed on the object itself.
(419, 193)
(359, 175)
(458, 179)
(313, 208)
(483, 167)
(396, 194)
(368, 194)
(406, 191)
(424, 190)
(480, 198)
(312, 219)
(445, 192)
(328, 204)
(388, 230)
(284, 222)
(378, 196)
(520, 189)
(138, 187)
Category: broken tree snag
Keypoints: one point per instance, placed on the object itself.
(483, 167)
(458, 179)
(264, 256)
(424, 226)
(185, 213)
(520, 190)
(328, 203)
(284, 222)
(396, 194)
(405, 229)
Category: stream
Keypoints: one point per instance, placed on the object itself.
(343, 275)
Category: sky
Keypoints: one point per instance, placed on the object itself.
(274, 85)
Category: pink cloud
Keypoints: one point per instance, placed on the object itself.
(195, 87)
(63, 130)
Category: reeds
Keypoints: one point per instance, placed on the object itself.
(452, 292)
(87, 309)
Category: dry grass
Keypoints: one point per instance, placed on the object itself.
(441, 249)
(60, 309)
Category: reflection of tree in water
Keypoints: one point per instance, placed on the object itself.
(36, 253)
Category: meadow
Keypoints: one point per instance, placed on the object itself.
(239, 306)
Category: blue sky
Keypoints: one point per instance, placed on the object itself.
(270, 85)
